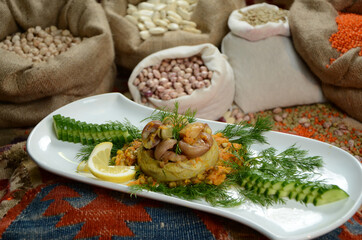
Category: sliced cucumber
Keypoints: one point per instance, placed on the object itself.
(70, 130)
(310, 192)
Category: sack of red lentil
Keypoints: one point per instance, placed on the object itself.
(327, 35)
(144, 27)
(197, 77)
(51, 53)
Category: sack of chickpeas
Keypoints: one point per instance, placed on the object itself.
(327, 35)
(197, 77)
(143, 27)
(268, 71)
(51, 53)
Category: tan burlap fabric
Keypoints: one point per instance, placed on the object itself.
(22, 172)
(29, 91)
(210, 16)
(311, 24)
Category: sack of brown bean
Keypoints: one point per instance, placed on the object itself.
(144, 27)
(269, 73)
(327, 34)
(259, 21)
(197, 77)
(51, 54)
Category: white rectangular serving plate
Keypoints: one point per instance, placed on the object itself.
(292, 220)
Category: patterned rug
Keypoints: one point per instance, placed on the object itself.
(35, 204)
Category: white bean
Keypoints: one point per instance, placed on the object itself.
(149, 24)
(157, 30)
(159, 7)
(145, 34)
(161, 23)
(156, 16)
(146, 6)
(145, 19)
(141, 26)
(183, 13)
(188, 23)
(173, 19)
(192, 30)
(174, 14)
(173, 26)
(147, 13)
(132, 19)
(183, 4)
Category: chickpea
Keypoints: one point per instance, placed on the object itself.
(39, 44)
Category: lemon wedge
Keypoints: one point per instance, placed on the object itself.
(98, 165)
(83, 166)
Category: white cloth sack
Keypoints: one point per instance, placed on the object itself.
(258, 32)
(269, 73)
(211, 102)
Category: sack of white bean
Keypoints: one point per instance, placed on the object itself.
(327, 35)
(144, 27)
(51, 54)
(197, 77)
(259, 21)
(269, 74)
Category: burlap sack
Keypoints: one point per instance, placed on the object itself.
(28, 91)
(211, 102)
(311, 24)
(286, 4)
(210, 16)
(348, 99)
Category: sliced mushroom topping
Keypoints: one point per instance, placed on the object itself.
(166, 131)
(201, 146)
(150, 137)
(173, 157)
(164, 146)
(163, 152)
(192, 130)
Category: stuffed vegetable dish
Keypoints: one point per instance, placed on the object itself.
(178, 156)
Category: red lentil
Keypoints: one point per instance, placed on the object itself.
(349, 34)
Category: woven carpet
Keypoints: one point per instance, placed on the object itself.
(35, 204)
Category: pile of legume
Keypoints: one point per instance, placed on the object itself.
(349, 34)
(173, 78)
(40, 45)
(262, 15)
(155, 17)
(322, 122)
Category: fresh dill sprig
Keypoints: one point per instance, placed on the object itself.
(176, 119)
(245, 133)
(134, 131)
(215, 195)
(292, 163)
